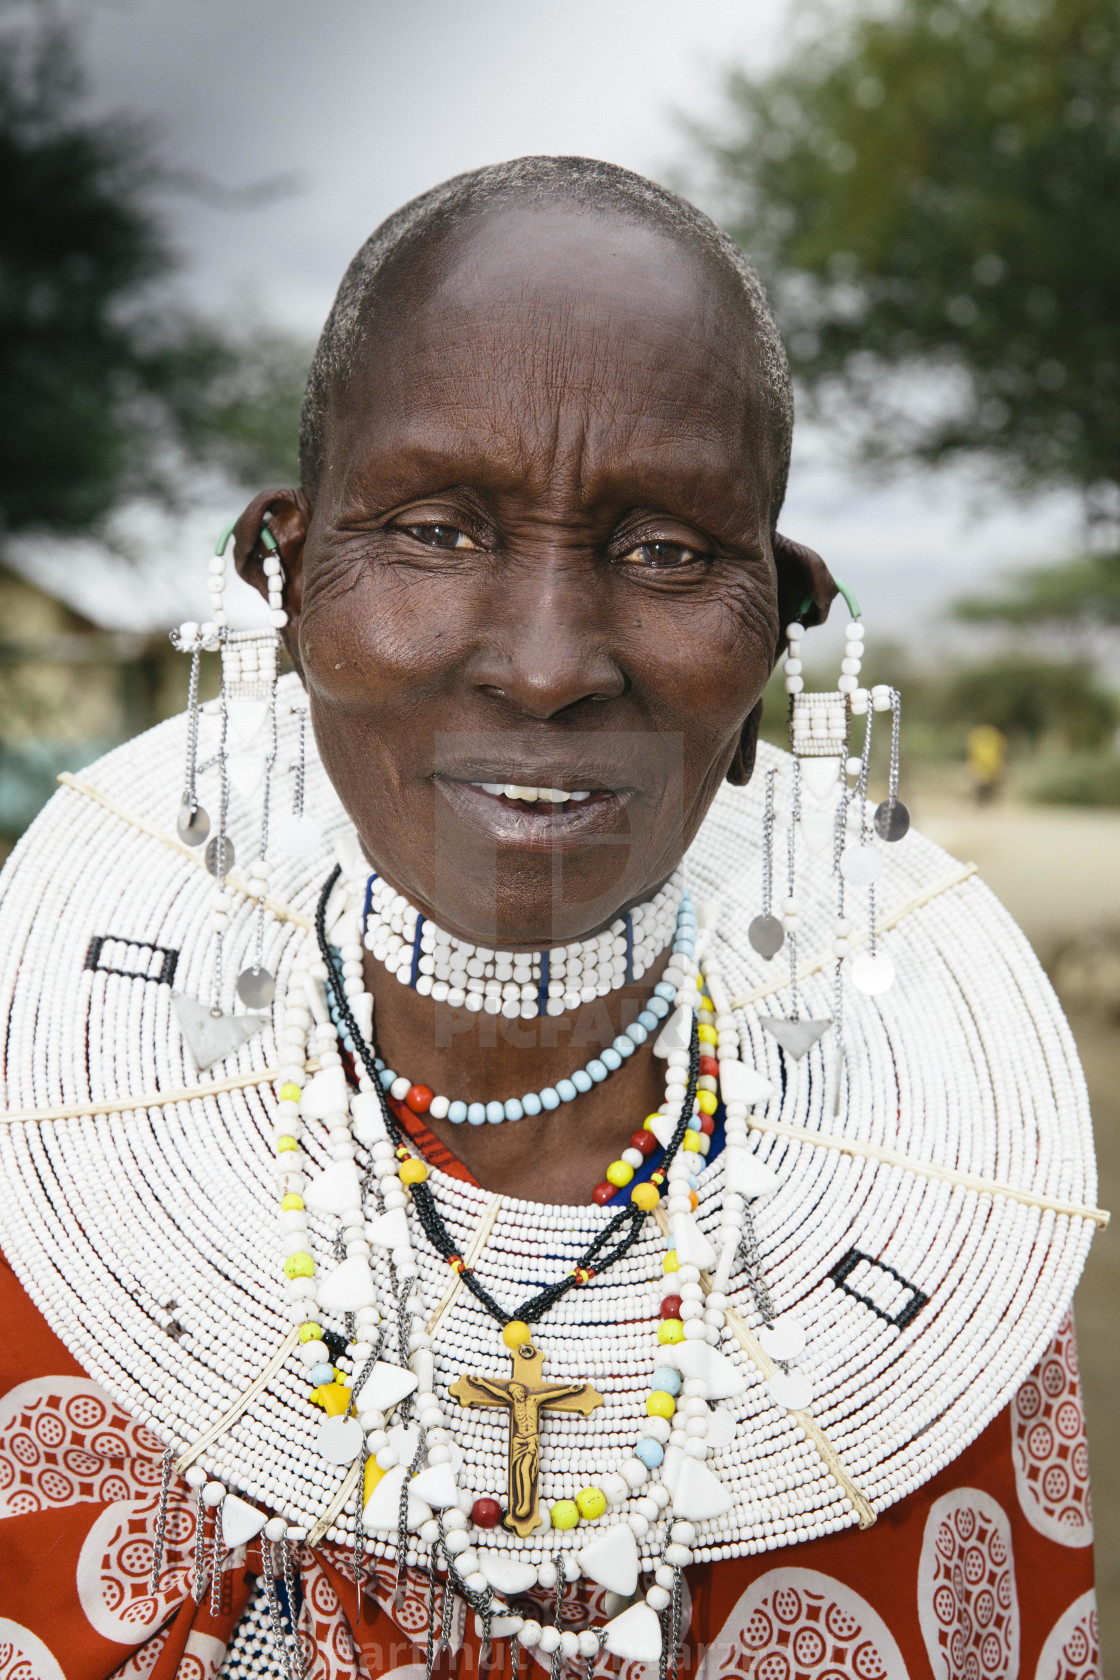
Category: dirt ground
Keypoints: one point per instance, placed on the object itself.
(1058, 872)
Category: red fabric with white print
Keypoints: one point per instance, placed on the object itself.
(984, 1574)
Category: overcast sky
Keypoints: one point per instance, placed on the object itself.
(359, 104)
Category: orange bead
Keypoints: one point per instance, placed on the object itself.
(419, 1099)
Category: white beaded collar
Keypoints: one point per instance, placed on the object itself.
(924, 1245)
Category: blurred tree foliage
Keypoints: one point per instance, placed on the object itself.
(106, 387)
(1075, 594)
(1031, 698)
(926, 185)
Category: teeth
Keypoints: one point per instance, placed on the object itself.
(531, 795)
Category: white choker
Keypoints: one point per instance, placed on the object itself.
(516, 984)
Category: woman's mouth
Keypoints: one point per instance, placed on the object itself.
(534, 814)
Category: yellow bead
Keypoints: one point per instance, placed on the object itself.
(290, 1093)
(670, 1330)
(310, 1332)
(412, 1172)
(373, 1475)
(591, 1503)
(706, 1035)
(670, 1262)
(291, 1203)
(691, 1139)
(516, 1333)
(299, 1265)
(620, 1173)
(334, 1399)
(707, 1102)
(660, 1404)
(645, 1196)
(286, 1143)
(647, 1123)
(565, 1513)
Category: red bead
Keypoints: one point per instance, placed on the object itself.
(707, 1124)
(419, 1099)
(671, 1306)
(709, 1066)
(486, 1513)
(602, 1193)
(644, 1142)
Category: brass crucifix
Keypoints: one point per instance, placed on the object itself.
(525, 1396)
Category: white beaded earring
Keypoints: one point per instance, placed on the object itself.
(827, 815)
(243, 732)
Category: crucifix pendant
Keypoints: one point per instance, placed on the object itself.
(524, 1395)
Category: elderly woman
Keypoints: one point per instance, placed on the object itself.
(477, 1186)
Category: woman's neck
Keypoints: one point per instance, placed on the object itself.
(552, 1157)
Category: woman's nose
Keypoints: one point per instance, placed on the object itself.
(546, 645)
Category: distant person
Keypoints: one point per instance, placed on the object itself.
(986, 752)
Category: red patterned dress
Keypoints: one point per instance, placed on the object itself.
(986, 1573)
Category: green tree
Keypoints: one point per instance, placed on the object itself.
(929, 188)
(1074, 595)
(106, 386)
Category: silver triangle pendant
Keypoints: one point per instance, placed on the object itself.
(795, 1037)
(210, 1037)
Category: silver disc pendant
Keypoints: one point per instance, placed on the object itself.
(193, 823)
(767, 936)
(339, 1439)
(211, 854)
(891, 821)
(256, 987)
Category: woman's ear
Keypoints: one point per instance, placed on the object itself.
(806, 591)
(802, 577)
(286, 515)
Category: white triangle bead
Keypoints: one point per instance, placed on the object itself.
(740, 1083)
(635, 1636)
(211, 1038)
(325, 1095)
(246, 772)
(693, 1247)
(240, 1522)
(437, 1486)
(389, 1230)
(676, 1034)
(369, 1122)
(404, 1438)
(506, 1574)
(704, 1363)
(348, 1287)
(500, 1626)
(611, 1559)
(746, 1175)
(699, 1495)
(337, 1189)
(819, 776)
(384, 1388)
(663, 1126)
(383, 1507)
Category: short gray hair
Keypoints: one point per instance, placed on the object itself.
(588, 182)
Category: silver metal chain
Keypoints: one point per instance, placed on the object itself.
(161, 1519)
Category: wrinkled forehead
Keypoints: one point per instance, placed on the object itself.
(525, 320)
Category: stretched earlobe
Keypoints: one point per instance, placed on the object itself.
(741, 768)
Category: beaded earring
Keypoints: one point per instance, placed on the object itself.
(828, 812)
(242, 732)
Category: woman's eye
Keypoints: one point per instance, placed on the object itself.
(440, 536)
(662, 554)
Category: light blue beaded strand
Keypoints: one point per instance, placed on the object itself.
(608, 1061)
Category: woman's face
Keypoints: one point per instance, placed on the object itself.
(538, 557)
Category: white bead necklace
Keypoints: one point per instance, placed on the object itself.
(515, 984)
(126, 1227)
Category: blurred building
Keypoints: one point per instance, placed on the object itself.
(70, 688)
